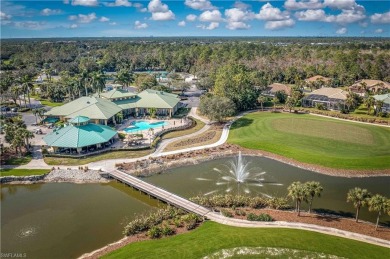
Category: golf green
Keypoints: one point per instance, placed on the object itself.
(315, 140)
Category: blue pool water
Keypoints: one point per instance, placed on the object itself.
(144, 125)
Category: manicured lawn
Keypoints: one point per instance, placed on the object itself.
(315, 140)
(49, 103)
(18, 160)
(212, 237)
(109, 155)
(174, 134)
(23, 172)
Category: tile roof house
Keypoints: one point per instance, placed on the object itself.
(331, 98)
(385, 98)
(373, 86)
(275, 87)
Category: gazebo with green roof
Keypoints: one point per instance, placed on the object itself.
(80, 136)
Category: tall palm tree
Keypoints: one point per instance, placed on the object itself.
(275, 100)
(378, 106)
(350, 101)
(359, 197)
(297, 192)
(313, 189)
(380, 204)
(262, 100)
(369, 102)
(26, 135)
(124, 77)
(98, 81)
(27, 86)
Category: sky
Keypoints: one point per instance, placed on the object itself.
(141, 18)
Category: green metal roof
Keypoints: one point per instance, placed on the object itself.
(79, 119)
(117, 93)
(157, 99)
(92, 107)
(385, 98)
(79, 136)
(128, 103)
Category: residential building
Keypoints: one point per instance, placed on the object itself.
(331, 98)
(385, 98)
(276, 87)
(368, 85)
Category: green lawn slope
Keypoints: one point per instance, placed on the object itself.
(213, 237)
(315, 140)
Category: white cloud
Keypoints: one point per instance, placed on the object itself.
(235, 18)
(237, 26)
(241, 5)
(211, 16)
(182, 23)
(4, 16)
(124, 3)
(200, 4)
(48, 11)
(139, 25)
(73, 26)
(211, 26)
(30, 25)
(342, 31)
(83, 18)
(345, 17)
(340, 4)
(163, 16)
(379, 31)
(277, 25)
(380, 18)
(304, 4)
(85, 2)
(270, 13)
(160, 11)
(191, 17)
(104, 19)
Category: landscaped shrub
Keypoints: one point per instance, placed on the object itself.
(278, 203)
(227, 213)
(167, 231)
(155, 232)
(122, 135)
(260, 217)
(239, 212)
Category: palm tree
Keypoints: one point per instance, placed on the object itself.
(350, 101)
(26, 135)
(297, 192)
(275, 100)
(380, 204)
(359, 197)
(369, 102)
(119, 117)
(378, 106)
(124, 77)
(313, 189)
(262, 100)
(98, 81)
(27, 86)
(38, 112)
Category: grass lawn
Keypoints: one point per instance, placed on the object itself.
(49, 103)
(360, 112)
(109, 155)
(174, 134)
(315, 140)
(18, 160)
(23, 172)
(212, 237)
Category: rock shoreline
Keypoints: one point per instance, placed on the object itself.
(59, 176)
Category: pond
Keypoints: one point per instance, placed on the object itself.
(64, 220)
(213, 177)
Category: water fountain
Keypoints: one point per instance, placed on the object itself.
(238, 176)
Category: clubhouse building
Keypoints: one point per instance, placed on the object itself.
(103, 108)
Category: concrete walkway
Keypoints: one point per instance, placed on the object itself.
(283, 224)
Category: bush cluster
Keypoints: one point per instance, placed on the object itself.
(233, 201)
(260, 217)
(350, 117)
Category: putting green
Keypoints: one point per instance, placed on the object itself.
(213, 240)
(315, 140)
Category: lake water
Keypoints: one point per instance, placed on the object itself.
(64, 220)
(203, 178)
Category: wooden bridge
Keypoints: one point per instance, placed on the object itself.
(159, 193)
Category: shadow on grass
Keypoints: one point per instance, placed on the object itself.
(243, 122)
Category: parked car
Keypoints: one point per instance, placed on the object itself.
(14, 109)
(5, 109)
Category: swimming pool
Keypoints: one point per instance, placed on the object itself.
(144, 125)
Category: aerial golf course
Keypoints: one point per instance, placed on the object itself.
(315, 140)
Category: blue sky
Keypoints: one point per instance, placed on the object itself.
(135, 18)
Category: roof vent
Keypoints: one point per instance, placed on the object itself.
(88, 102)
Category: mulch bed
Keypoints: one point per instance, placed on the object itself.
(331, 221)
